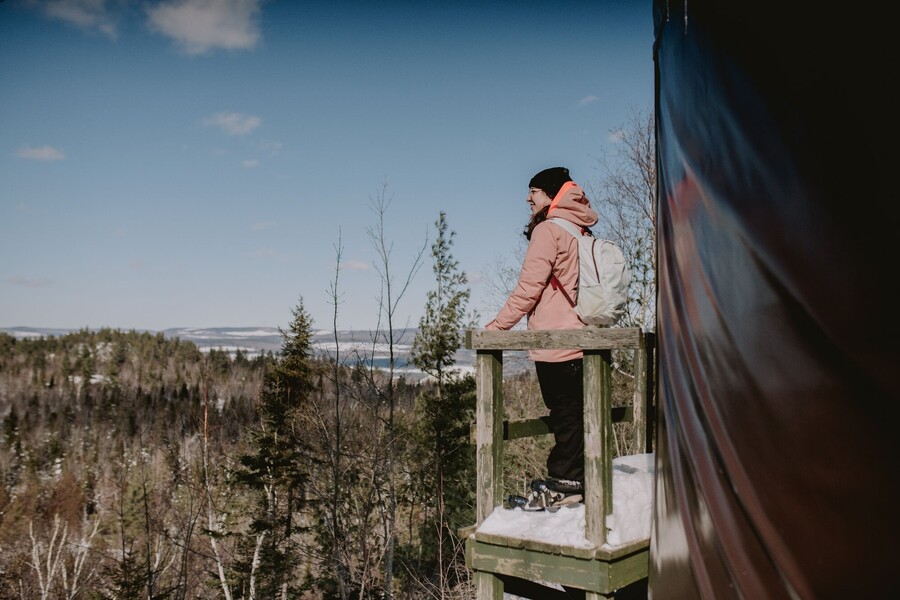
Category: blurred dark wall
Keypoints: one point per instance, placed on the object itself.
(778, 452)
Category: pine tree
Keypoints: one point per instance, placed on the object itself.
(447, 407)
(279, 468)
(440, 328)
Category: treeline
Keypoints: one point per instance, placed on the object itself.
(111, 380)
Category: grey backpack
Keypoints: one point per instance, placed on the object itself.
(603, 278)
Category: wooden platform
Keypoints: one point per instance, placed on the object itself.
(597, 569)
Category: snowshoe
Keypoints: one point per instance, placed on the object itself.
(564, 486)
(544, 497)
(514, 501)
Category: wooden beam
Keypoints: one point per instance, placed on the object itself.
(488, 431)
(650, 373)
(593, 575)
(589, 338)
(597, 444)
(602, 553)
(523, 428)
(488, 586)
(640, 399)
(488, 453)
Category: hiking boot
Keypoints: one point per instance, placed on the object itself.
(567, 500)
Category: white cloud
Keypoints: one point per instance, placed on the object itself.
(37, 282)
(588, 100)
(233, 123)
(41, 153)
(261, 225)
(86, 14)
(356, 265)
(199, 26)
(251, 163)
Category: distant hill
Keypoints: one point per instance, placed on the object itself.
(351, 345)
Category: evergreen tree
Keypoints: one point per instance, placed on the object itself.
(279, 466)
(446, 408)
(440, 328)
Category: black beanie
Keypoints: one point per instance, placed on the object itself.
(550, 180)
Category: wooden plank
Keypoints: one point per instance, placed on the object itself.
(513, 430)
(608, 554)
(586, 574)
(597, 444)
(488, 586)
(604, 553)
(592, 575)
(535, 545)
(464, 532)
(629, 569)
(650, 348)
(589, 338)
(640, 397)
(488, 431)
(524, 428)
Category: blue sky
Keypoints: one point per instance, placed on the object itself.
(193, 163)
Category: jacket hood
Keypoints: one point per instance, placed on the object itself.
(572, 205)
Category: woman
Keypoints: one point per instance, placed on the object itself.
(552, 251)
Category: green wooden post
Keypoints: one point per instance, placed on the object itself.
(640, 398)
(597, 443)
(489, 452)
(649, 342)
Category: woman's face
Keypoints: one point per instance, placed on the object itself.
(537, 199)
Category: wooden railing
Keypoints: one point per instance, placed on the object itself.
(594, 570)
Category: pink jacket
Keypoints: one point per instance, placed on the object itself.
(551, 251)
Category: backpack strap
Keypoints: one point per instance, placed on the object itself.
(556, 285)
(573, 230)
(569, 226)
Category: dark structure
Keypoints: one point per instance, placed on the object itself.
(778, 472)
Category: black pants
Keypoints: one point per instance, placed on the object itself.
(562, 387)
